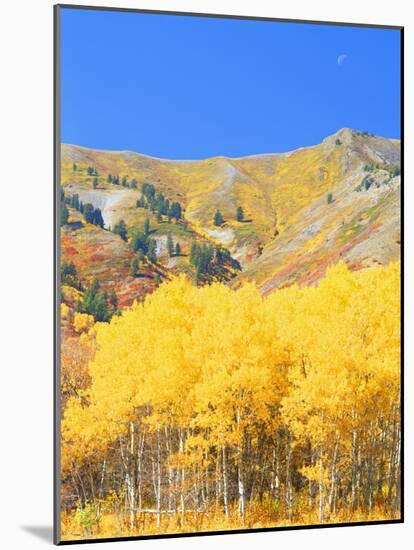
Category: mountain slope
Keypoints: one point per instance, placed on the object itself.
(302, 210)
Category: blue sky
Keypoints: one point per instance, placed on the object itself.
(189, 88)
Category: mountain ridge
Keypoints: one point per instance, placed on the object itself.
(303, 209)
(342, 131)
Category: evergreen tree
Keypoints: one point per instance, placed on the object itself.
(367, 183)
(159, 203)
(95, 183)
(120, 229)
(90, 298)
(97, 218)
(178, 211)
(64, 215)
(68, 274)
(219, 256)
(152, 204)
(148, 190)
(140, 242)
(394, 171)
(239, 214)
(88, 212)
(198, 276)
(152, 250)
(134, 267)
(175, 211)
(74, 201)
(329, 198)
(170, 246)
(206, 258)
(90, 171)
(74, 167)
(113, 300)
(218, 219)
(194, 253)
(109, 178)
(101, 308)
(177, 249)
(147, 226)
(133, 184)
(159, 217)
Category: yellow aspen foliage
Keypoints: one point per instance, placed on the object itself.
(83, 322)
(257, 411)
(64, 311)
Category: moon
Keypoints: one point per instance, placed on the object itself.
(341, 58)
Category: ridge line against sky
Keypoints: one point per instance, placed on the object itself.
(123, 151)
(177, 87)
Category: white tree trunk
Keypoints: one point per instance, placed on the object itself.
(225, 494)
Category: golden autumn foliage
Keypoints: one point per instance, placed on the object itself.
(64, 311)
(75, 354)
(82, 322)
(212, 408)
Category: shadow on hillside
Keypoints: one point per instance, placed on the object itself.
(143, 276)
(74, 225)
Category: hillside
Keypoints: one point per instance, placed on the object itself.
(302, 210)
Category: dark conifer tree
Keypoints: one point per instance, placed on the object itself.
(113, 300)
(170, 245)
(64, 215)
(147, 226)
(101, 308)
(140, 242)
(134, 267)
(88, 212)
(152, 250)
(120, 229)
(218, 219)
(97, 218)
